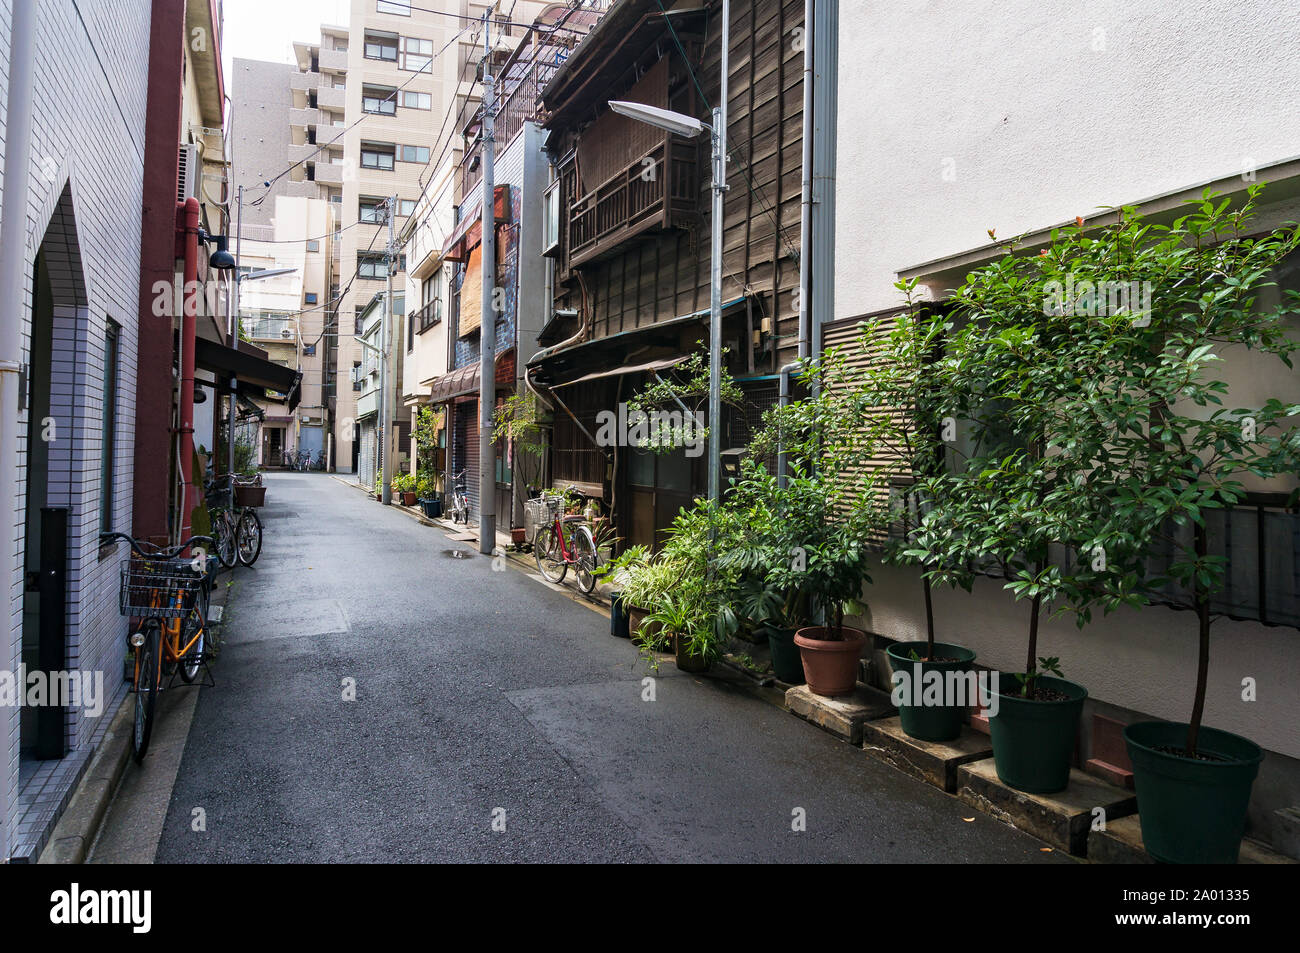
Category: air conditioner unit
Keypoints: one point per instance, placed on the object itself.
(188, 174)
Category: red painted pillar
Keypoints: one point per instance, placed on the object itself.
(189, 327)
(154, 450)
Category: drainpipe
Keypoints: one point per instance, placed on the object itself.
(189, 322)
(806, 178)
(13, 280)
(783, 400)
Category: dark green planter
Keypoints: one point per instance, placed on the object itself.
(933, 722)
(432, 508)
(618, 618)
(1192, 812)
(787, 663)
(1033, 742)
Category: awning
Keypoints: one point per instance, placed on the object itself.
(249, 366)
(464, 380)
(469, 230)
(629, 369)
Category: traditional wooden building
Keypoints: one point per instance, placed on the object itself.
(629, 236)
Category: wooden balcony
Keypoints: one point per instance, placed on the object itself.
(632, 202)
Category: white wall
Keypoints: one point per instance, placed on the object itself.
(1037, 126)
(957, 118)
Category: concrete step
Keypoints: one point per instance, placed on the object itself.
(1121, 843)
(934, 762)
(1062, 819)
(843, 716)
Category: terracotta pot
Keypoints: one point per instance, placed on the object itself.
(636, 616)
(408, 499)
(830, 667)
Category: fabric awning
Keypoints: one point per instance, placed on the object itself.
(249, 366)
(469, 230)
(464, 380)
(629, 369)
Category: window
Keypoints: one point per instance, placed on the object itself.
(381, 100)
(412, 100)
(381, 46)
(108, 439)
(371, 210)
(410, 334)
(377, 156)
(406, 207)
(414, 154)
(372, 265)
(341, 44)
(398, 8)
(310, 297)
(551, 219)
(417, 54)
(313, 245)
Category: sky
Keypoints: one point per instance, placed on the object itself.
(266, 29)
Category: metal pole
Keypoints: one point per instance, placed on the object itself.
(715, 269)
(487, 394)
(232, 329)
(13, 287)
(385, 371)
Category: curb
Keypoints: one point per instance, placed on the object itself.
(72, 836)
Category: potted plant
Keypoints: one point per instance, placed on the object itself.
(1184, 457)
(426, 496)
(404, 484)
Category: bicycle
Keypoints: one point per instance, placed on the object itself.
(566, 541)
(459, 499)
(237, 530)
(169, 595)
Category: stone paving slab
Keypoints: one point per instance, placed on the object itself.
(843, 716)
(1121, 843)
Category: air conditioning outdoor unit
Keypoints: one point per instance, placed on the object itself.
(188, 174)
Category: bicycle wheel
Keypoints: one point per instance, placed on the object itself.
(194, 627)
(248, 536)
(147, 680)
(224, 531)
(585, 558)
(550, 561)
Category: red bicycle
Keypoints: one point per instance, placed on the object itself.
(563, 541)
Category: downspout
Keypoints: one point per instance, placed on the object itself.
(189, 322)
(806, 178)
(783, 400)
(13, 278)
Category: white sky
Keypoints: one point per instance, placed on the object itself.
(266, 29)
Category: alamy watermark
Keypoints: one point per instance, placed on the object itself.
(40, 689)
(651, 429)
(1097, 298)
(920, 687)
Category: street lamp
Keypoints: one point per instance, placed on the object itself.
(681, 124)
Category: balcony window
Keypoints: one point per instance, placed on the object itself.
(398, 8)
(381, 46)
(372, 211)
(376, 156)
(372, 265)
(379, 100)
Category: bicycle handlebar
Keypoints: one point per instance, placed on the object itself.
(156, 552)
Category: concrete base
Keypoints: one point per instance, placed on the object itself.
(935, 762)
(1062, 819)
(1286, 830)
(843, 716)
(1121, 843)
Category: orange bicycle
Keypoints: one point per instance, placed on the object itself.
(167, 596)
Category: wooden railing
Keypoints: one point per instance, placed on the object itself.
(521, 102)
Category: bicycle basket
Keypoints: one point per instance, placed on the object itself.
(540, 512)
(158, 588)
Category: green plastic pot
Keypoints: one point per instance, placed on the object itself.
(1033, 741)
(932, 722)
(787, 663)
(618, 617)
(1191, 812)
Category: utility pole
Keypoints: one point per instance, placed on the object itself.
(715, 269)
(487, 393)
(232, 330)
(385, 369)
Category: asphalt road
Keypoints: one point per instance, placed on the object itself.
(484, 700)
